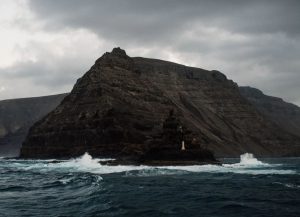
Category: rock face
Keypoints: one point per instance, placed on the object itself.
(285, 115)
(118, 109)
(18, 115)
(176, 145)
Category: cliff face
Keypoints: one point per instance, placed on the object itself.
(285, 115)
(120, 104)
(18, 115)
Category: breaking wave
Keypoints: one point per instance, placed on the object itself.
(288, 185)
(248, 165)
(249, 159)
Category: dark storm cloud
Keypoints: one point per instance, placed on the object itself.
(254, 42)
(143, 19)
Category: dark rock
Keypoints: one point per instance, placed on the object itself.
(166, 148)
(285, 115)
(117, 109)
(18, 115)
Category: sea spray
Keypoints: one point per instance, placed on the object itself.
(86, 161)
(248, 165)
(249, 159)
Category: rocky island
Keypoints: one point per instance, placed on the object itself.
(149, 111)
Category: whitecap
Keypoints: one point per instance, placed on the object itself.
(86, 163)
(65, 181)
(247, 160)
(288, 185)
(248, 165)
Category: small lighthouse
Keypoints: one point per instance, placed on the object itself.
(182, 138)
(182, 146)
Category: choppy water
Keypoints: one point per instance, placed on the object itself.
(84, 187)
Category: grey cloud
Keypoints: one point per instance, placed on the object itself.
(41, 74)
(49, 73)
(143, 19)
(261, 45)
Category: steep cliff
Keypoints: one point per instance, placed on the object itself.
(285, 115)
(118, 108)
(18, 115)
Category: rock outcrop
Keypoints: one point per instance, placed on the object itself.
(117, 109)
(285, 115)
(18, 115)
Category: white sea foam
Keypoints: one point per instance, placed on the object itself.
(248, 165)
(86, 163)
(247, 160)
(288, 185)
(66, 180)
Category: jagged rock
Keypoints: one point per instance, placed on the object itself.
(118, 107)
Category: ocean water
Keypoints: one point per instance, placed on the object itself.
(83, 187)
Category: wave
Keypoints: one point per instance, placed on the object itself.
(288, 185)
(85, 163)
(248, 160)
(248, 165)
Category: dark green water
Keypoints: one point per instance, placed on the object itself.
(83, 187)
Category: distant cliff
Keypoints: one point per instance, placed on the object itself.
(285, 115)
(18, 115)
(118, 108)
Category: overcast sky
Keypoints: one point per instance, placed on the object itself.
(46, 45)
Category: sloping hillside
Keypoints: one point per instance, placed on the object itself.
(285, 115)
(18, 115)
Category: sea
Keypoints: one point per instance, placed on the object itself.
(244, 186)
